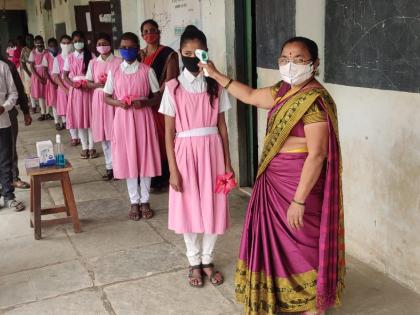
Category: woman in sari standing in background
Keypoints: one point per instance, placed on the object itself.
(291, 257)
(164, 61)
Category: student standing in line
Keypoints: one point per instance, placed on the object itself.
(135, 145)
(38, 78)
(79, 103)
(198, 151)
(66, 47)
(102, 114)
(51, 86)
(25, 72)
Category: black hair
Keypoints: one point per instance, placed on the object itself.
(191, 33)
(87, 55)
(11, 41)
(308, 43)
(29, 35)
(38, 37)
(149, 21)
(52, 40)
(20, 41)
(105, 36)
(65, 36)
(130, 36)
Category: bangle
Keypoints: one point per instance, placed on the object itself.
(229, 83)
(298, 203)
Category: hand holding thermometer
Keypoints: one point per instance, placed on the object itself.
(204, 57)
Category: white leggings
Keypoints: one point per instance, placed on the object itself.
(42, 105)
(86, 138)
(74, 134)
(106, 147)
(137, 195)
(197, 254)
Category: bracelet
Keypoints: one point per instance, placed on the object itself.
(298, 203)
(229, 83)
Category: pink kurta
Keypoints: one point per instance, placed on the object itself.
(38, 89)
(135, 145)
(62, 97)
(51, 88)
(79, 101)
(102, 114)
(198, 209)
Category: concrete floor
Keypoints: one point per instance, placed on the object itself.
(117, 266)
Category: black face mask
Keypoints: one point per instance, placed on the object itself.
(191, 63)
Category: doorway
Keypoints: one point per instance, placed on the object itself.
(246, 71)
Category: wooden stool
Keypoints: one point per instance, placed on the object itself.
(47, 174)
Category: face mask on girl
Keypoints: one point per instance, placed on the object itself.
(191, 63)
(66, 49)
(296, 74)
(151, 38)
(79, 45)
(129, 54)
(103, 49)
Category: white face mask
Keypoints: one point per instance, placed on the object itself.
(296, 74)
(79, 45)
(66, 49)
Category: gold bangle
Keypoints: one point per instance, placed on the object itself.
(229, 83)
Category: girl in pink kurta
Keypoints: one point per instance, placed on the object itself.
(102, 114)
(198, 152)
(66, 47)
(79, 103)
(135, 145)
(51, 86)
(38, 77)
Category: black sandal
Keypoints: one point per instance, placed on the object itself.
(191, 277)
(212, 277)
(135, 213)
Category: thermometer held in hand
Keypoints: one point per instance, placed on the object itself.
(204, 57)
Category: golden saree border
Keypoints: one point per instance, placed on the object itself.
(265, 295)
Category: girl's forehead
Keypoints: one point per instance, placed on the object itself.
(192, 44)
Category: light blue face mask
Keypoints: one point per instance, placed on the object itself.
(79, 45)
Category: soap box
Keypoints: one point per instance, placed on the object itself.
(45, 151)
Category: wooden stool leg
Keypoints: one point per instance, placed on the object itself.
(65, 198)
(32, 203)
(69, 198)
(37, 207)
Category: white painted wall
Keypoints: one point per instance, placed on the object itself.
(380, 142)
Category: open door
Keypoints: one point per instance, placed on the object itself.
(246, 72)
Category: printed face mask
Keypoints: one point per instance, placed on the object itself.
(53, 51)
(129, 54)
(296, 74)
(103, 49)
(66, 49)
(151, 38)
(79, 45)
(191, 63)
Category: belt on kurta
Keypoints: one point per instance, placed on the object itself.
(198, 132)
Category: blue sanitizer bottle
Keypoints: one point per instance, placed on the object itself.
(59, 153)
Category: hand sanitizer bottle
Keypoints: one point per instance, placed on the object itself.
(59, 153)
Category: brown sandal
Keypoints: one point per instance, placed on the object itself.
(194, 280)
(93, 154)
(85, 154)
(146, 211)
(134, 213)
(73, 142)
(21, 184)
(212, 277)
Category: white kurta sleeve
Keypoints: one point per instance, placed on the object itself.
(109, 84)
(153, 81)
(89, 74)
(56, 67)
(167, 105)
(224, 102)
(66, 66)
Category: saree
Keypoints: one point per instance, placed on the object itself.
(280, 269)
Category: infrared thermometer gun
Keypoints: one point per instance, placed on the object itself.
(204, 57)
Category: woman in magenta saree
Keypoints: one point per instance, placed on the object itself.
(291, 257)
